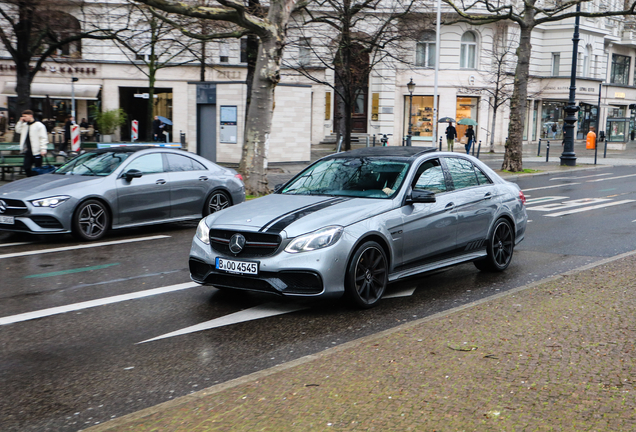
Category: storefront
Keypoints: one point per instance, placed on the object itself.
(552, 119)
(466, 109)
(617, 125)
(421, 118)
(587, 119)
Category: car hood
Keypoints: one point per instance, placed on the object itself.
(297, 214)
(46, 184)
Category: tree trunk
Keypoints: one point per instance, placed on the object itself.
(252, 55)
(150, 115)
(518, 103)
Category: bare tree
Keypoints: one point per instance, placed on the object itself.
(526, 15)
(272, 33)
(350, 38)
(33, 31)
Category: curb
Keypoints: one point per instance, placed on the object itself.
(122, 421)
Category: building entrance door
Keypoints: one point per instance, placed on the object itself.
(206, 131)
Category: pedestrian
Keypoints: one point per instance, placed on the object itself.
(554, 130)
(157, 129)
(590, 142)
(84, 124)
(451, 134)
(3, 124)
(470, 134)
(70, 120)
(33, 141)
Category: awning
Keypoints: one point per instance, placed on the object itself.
(56, 91)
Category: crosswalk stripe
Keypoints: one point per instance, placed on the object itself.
(583, 209)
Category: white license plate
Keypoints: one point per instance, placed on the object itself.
(232, 266)
(10, 220)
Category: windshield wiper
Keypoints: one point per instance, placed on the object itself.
(89, 168)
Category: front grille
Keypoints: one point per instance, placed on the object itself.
(13, 207)
(256, 244)
(47, 222)
(285, 282)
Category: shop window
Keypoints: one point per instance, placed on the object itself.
(466, 109)
(421, 118)
(425, 50)
(552, 115)
(556, 63)
(620, 69)
(468, 53)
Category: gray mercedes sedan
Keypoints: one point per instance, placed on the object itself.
(354, 221)
(119, 187)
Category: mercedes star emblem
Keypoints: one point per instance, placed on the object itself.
(237, 243)
(3, 206)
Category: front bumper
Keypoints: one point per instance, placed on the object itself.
(37, 220)
(319, 273)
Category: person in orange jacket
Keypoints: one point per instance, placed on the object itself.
(590, 143)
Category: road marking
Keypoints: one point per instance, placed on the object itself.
(258, 312)
(81, 246)
(94, 303)
(15, 244)
(568, 204)
(582, 177)
(550, 187)
(579, 210)
(76, 270)
(611, 178)
(545, 199)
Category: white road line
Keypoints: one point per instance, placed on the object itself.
(582, 177)
(251, 314)
(579, 210)
(611, 178)
(568, 204)
(94, 303)
(545, 199)
(15, 244)
(550, 187)
(81, 246)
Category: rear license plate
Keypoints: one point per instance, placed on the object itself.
(10, 220)
(232, 266)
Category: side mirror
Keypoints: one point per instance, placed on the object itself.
(420, 196)
(131, 174)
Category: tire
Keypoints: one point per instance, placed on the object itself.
(91, 220)
(367, 275)
(500, 248)
(218, 200)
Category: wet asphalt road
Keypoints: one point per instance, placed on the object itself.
(70, 370)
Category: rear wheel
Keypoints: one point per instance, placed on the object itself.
(91, 220)
(217, 201)
(367, 275)
(500, 248)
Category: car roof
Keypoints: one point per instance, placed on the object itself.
(390, 152)
(128, 149)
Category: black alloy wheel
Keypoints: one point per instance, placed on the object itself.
(91, 220)
(367, 276)
(217, 201)
(500, 248)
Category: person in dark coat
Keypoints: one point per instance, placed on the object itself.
(67, 134)
(451, 134)
(470, 134)
(157, 129)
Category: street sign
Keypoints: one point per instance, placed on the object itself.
(135, 130)
(75, 137)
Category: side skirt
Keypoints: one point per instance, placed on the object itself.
(437, 265)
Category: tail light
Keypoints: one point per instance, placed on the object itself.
(240, 177)
(522, 197)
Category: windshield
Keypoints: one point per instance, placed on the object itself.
(355, 177)
(94, 164)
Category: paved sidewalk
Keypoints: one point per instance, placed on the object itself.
(554, 355)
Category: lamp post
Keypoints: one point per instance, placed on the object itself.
(73, 81)
(411, 87)
(568, 157)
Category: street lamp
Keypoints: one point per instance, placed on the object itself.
(411, 87)
(568, 157)
(73, 81)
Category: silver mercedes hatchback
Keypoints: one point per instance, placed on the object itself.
(352, 222)
(118, 187)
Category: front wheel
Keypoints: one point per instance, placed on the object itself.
(217, 201)
(500, 248)
(367, 275)
(91, 220)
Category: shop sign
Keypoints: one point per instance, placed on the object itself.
(619, 95)
(70, 70)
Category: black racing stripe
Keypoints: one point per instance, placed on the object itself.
(283, 223)
(268, 224)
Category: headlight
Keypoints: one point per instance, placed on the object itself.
(51, 202)
(203, 232)
(316, 240)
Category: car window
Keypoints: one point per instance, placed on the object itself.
(430, 177)
(148, 164)
(462, 173)
(183, 163)
(94, 163)
(483, 178)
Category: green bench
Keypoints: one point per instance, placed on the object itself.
(9, 162)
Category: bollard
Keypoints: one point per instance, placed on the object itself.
(440, 143)
(367, 141)
(478, 149)
(182, 139)
(339, 144)
(474, 149)
(373, 140)
(539, 149)
(547, 151)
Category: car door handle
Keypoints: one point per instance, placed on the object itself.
(488, 195)
(449, 206)
(160, 181)
(203, 178)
